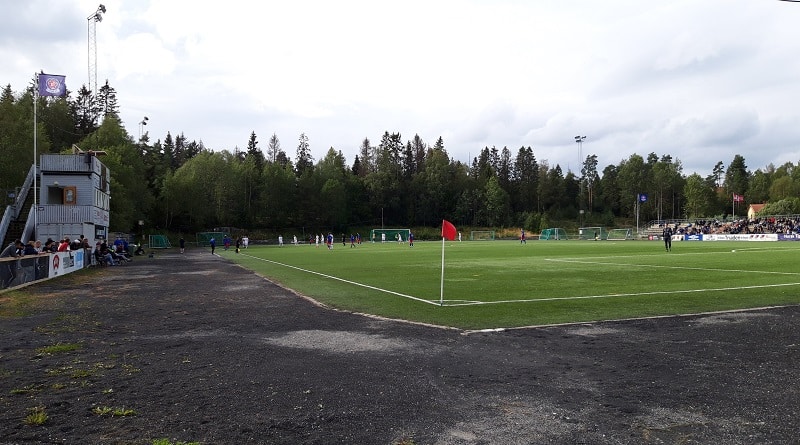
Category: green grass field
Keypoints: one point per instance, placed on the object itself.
(498, 284)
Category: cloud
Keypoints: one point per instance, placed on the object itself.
(702, 81)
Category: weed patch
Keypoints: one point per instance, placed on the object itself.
(58, 348)
(29, 389)
(167, 442)
(36, 416)
(16, 304)
(113, 411)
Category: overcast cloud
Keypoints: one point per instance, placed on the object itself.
(699, 80)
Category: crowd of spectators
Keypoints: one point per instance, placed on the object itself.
(770, 224)
(18, 249)
(103, 254)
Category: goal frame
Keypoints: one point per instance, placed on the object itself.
(391, 235)
(596, 233)
(476, 235)
(203, 238)
(158, 242)
(553, 234)
(626, 231)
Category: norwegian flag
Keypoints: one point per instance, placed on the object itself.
(738, 198)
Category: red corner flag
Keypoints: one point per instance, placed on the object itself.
(448, 233)
(448, 230)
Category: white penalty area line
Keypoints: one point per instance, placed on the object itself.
(422, 300)
(635, 294)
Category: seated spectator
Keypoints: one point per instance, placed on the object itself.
(99, 257)
(120, 253)
(106, 254)
(120, 245)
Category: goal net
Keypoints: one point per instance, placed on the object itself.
(159, 242)
(481, 235)
(389, 235)
(620, 234)
(592, 233)
(203, 238)
(553, 234)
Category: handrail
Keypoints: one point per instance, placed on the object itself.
(30, 226)
(23, 192)
(5, 222)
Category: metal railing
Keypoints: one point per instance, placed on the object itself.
(12, 211)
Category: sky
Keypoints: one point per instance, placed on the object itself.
(700, 80)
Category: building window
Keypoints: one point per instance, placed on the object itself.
(70, 195)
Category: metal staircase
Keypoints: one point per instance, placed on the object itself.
(16, 223)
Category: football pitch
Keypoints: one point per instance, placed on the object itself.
(505, 284)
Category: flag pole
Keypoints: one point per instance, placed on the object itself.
(441, 292)
(733, 205)
(35, 163)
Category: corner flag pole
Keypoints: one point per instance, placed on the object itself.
(441, 293)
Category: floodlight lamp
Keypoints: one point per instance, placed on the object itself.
(102, 8)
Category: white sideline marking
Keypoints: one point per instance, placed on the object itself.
(704, 269)
(345, 281)
(587, 297)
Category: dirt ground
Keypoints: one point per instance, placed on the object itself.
(195, 349)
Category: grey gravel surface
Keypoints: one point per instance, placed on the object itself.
(202, 350)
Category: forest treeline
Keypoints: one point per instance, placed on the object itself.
(177, 184)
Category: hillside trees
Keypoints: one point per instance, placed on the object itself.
(176, 183)
(16, 121)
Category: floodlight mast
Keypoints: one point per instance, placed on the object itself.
(141, 127)
(92, 21)
(579, 140)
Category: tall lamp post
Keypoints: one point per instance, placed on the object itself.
(141, 127)
(579, 140)
(92, 20)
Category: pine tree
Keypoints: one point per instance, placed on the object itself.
(304, 161)
(107, 100)
(254, 153)
(273, 148)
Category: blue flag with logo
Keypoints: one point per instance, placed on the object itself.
(642, 197)
(52, 85)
